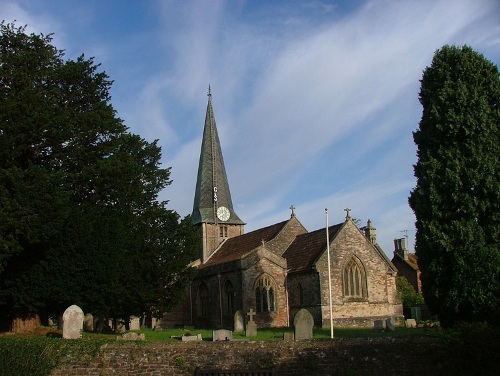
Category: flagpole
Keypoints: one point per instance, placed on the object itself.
(329, 273)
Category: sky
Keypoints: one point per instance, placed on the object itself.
(315, 101)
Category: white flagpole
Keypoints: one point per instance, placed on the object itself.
(329, 274)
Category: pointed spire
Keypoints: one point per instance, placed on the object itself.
(212, 187)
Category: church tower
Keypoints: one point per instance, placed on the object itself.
(213, 212)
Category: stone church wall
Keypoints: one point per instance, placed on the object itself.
(280, 243)
(277, 273)
(381, 297)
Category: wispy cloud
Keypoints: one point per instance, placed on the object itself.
(315, 102)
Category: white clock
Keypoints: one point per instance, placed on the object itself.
(223, 213)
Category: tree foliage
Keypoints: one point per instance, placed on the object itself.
(406, 292)
(79, 218)
(457, 197)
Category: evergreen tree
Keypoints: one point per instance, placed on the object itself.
(457, 197)
(79, 221)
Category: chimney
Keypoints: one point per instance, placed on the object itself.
(370, 232)
(400, 248)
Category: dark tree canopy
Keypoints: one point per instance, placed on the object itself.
(79, 218)
(457, 197)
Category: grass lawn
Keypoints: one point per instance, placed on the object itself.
(271, 334)
(268, 334)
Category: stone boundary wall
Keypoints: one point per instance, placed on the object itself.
(376, 356)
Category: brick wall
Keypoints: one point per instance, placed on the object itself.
(383, 356)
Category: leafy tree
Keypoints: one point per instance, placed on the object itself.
(457, 197)
(79, 220)
(407, 293)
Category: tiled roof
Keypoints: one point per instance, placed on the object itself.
(237, 247)
(411, 261)
(306, 248)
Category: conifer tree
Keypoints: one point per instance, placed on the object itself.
(457, 197)
(79, 218)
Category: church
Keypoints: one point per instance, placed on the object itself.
(279, 269)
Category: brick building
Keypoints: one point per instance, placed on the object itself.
(279, 269)
(407, 264)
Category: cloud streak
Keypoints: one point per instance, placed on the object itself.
(315, 102)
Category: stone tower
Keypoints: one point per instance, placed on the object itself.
(213, 212)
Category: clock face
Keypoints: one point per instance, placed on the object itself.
(223, 213)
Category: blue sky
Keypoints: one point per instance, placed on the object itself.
(315, 101)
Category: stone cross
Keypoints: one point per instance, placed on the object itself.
(347, 210)
(292, 208)
(251, 314)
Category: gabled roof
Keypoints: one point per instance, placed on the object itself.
(307, 248)
(236, 248)
(211, 174)
(412, 260)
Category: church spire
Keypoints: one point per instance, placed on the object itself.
(212, 193)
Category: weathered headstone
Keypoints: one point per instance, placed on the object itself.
(135, 323)
(303, 323)
(120, 326)
(378, 325)
(130, 336)
(239, 322)
(72, 322)
(88, 323)
(222, 335)
(390, 325)
(251, 329)
(411, 323)
(185, 338)
(287, 336)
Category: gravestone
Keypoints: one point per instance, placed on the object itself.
(411, 323)
(222, 335)
(239, 322)
(131, 337)
(287, 336)
(185, 338)
(88, 323)
(251, 330)
(378, 325)
(303, 323)
(135, 323)
(72, 322)
(390, 325)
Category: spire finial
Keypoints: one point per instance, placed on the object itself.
(209, 92)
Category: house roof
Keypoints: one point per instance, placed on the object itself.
(306, 248)
(235, 248)
(411, 261)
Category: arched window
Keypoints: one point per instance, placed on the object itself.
(228, 297)
(265, 296)
(354, 279)
(203, 301)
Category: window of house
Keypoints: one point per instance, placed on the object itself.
(203, 301)
(223, 231)
(354, 279)
(265, 297)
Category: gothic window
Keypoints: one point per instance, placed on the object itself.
(354, 279)
(228, 298)
(265, 296)
(203, 301)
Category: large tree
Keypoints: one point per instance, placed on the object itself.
(79, 218)
(457, 197)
